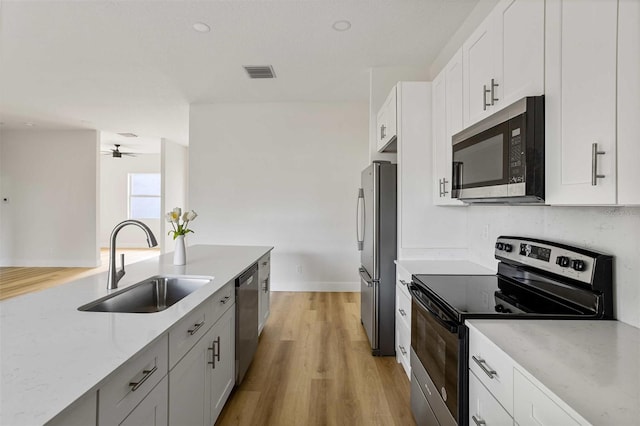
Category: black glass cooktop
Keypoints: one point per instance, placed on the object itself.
(490, 296)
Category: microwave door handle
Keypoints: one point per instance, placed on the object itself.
(360, 224)
(451, 327)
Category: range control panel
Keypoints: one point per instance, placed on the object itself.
(575, 263)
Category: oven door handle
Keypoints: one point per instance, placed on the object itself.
(451, 327)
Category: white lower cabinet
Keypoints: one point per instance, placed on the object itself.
(120, 396)
(80, 413)
(403, 319)
(152, 410)
(201, 382)
(264, 289)
(483, 407)
(532, 407)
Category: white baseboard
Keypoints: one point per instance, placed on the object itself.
(49, 263)
(316, 286)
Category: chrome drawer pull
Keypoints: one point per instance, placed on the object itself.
(147, 374)
(216, 356)
(403, 350)
(195, 328)
(223, 301)
(478, 422)
(264, 263)
(488, 370)
(402, 312)
(403, 282)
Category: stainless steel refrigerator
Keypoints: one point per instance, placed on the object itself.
(376, 234)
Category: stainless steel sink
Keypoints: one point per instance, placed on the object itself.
(154, 294)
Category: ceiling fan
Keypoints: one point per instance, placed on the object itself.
(116, 153)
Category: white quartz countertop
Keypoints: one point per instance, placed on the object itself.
(593, 366)
(51, 353)
(444, 267)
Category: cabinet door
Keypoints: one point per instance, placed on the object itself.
(532, 407)
(387, 121)
(478, 70)
(152, 411)
(519, 58)
(580, 110)
(190, 392)
(81, 413)
(628, 102)
(483, 407)
(221, 373)
(439, 129)
(453, 99)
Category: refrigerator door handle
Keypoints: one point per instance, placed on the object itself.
(360, 219)
(365, 277)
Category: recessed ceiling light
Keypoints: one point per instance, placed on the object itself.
(29, 124)
(342, 25)
(201, 27)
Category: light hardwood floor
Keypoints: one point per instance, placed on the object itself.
(15, 281)
(314, 366)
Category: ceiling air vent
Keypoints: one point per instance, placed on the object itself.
(260, 71)
(128, 135)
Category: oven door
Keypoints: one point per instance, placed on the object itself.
(438, 343)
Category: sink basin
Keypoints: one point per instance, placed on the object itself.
(154, 294)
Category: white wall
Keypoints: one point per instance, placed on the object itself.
(381, 81)
(50, 178)
(114, 198)
(612, 230)
(175, 170)
(286, 175)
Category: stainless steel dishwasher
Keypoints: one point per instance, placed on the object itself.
(246, 320)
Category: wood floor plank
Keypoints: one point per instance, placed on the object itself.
(314, 366)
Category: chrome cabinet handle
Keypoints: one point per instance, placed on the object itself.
(402, 312)
(440, 187)
(493, 87)
(403, 350)
(383, 133)
(403, 282)
(225, 299)
(477, 421)
(594, 163)
(444, 187)
(265, 263)
(488, 370)
(147, 374)
(216, 355)
(484, 97)
(195, 328)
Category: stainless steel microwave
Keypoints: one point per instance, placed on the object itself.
(501, 158)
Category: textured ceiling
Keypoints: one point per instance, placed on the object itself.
(135, 66)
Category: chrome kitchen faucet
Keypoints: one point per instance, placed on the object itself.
(114, 276)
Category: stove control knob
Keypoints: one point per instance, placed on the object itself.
(578, 265)
(499, 246)
(508, 247)
(563, 261)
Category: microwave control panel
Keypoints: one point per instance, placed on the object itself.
(516, 156)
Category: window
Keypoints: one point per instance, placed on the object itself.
(144, 195)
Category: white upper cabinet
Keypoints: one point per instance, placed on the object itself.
(628, 102)
(387, 124)
(504, 58)
(447, 120)
(580, 102)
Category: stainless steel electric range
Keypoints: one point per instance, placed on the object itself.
(536, 279)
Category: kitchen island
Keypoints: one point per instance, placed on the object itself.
(51, 354)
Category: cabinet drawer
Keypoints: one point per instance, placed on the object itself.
(492, 367)
(132, 382)
(222, 300)
(264, 266)
(403, 345)
(483, 407)
(403, 278)
(531, 406)
(403, 308)
(188, 331)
